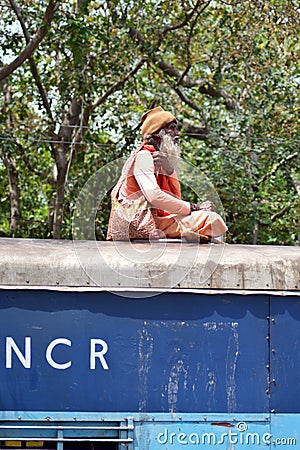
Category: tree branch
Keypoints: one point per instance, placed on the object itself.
(277, 166)
(188, 43)
(34, 42)
(203, 86)
(33, 67)
(186, 20)
(280, 213)
(18, 13)
(275, 216)
(186, 100)
(30, 166)
(182, 96)
(296, 183)
(200, 133)
(117, 85)
(26, 160)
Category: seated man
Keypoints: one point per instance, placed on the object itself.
(146, 202)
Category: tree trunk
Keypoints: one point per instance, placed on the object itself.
(59, 203)
(296, 183)
(14, 193)
(11, 167)
(255, 233)
(62, 154)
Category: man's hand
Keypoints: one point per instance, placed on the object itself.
(205, 206)
(161, 160)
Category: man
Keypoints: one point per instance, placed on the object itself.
(149, 176)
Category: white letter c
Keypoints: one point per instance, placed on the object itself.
(49, 353)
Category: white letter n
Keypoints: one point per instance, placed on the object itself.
(25, 360)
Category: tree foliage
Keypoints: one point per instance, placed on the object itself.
(228, 70)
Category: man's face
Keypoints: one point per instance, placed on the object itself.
(169, 144)
(173, 131)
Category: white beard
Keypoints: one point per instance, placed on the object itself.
(170, 147)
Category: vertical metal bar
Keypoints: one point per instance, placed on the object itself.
(130, 432)
(60, 445)
(271, 359)
(124, 434)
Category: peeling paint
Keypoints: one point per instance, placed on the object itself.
(144, 363)
(173, 383)
(231, 362)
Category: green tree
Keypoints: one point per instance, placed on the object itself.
(228, 70)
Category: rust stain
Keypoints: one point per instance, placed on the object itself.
(223, 424)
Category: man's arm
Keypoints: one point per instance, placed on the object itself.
(145, 177)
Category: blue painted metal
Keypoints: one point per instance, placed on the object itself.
(285, 431)
(285, 354)
(225, 434)
(164, 353)
(180, 370)
(157, 431)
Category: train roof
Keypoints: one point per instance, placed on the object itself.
(175, 265)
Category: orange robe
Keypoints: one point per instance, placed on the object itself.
(163, 192)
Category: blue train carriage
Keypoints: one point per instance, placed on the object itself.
(158, 346)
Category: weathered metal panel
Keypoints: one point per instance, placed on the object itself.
(157, 431)
(141, 432)
(143, 265)
(210, 434)
(285, 354)
(285, 431)
(96, 351)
